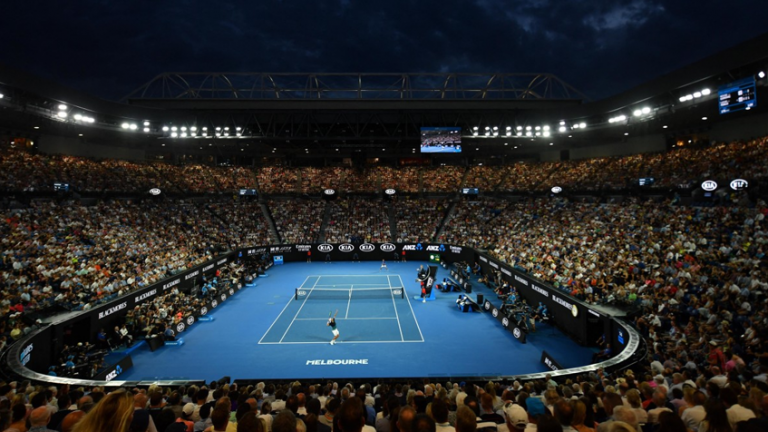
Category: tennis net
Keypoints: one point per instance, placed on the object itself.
(348, 293)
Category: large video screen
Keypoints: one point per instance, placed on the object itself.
(441, 140)
(737, 96)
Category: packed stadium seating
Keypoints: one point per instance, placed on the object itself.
(696, 274)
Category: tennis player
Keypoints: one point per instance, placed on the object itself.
(332, 324)
(383, 266)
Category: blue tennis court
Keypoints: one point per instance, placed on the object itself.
(368, 309)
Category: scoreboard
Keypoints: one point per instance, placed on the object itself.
(737, 96)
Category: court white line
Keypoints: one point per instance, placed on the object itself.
(344, 319)
(357, 275)
(300, 307)
(281, 313)
(395, 306)
(409, 305)
(359, 284)
(346, 315)
(346, 342)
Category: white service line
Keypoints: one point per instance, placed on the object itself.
(281, 313)
(300, 307)
(407, 297)
(395, 306)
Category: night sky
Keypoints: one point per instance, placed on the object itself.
(602, 47)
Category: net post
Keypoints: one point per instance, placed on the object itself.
(296, 294)
(402, 292)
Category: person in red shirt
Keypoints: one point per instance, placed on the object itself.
(716, 357)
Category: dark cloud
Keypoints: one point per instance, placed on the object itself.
(601, 47)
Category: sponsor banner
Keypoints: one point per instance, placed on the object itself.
(189, 320)
(435, 248)
(303, 248)
(506, 272)
(324, 248)
(256, 251)
(518, 334)
(346, 248)
(456, 249)
(366, 247)
(231, 292)
(208, 267)
(335, 362)
(191, 275)
(214, 303)
(115, 370)
(139, 299)
(26, 354)
(280, 249)
(171, 284)
(566, 304)
(483, 259)
(180, 327)
(388, 247)
(203, 310)
(112, 309)
(550, 362)
(487, 305)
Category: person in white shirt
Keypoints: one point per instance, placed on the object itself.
(692, 417)
(736, 413)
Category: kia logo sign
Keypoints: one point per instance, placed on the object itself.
(180, 327)
(329, 192)
(516, 333)
(231, 291)
(325, 247)
(367, 247)
(557, 189)
(190, 320)
(487, 305)
(709, 185)
(495, 312)
(505, 322)
(739, 184)
(154, 191)
(223, 297)
(387, 247)
(203, 311)
(390, 191)
(214, 304)
(346, 247)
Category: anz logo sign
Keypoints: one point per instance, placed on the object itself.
(346, 247)
(434, 248)
(325, 248)
(112, 375)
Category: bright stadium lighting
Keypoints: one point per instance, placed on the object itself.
(238, 128)
(646, 110)
(546, 127)
(146, 123)
(125, 125)
(528, 133)
(761, 74)
(546, 133)
(193, 128)
(183, 128)
(474, 133)
(495, 133)
(704, 118)
(487, 128)
(78, 117)
(582, 125)
(474, 128)
(562, 129)
(706, 92)
(62, 114)
(509, 133)
(146, 129)
(226, 128)
(697, 94)
(165, 128)
(62, 107)
(183, 134)
(519, 133)
(576, 126)
(218, 128)
(538, 127)
(487, 133)
(174, 134)
(495, 128)
(174, 129)
(682, 99)
(665, 126)
(2, 95)
(626, 133)
(538, 133)
(205, 128)
(509, 127)
(239, 134)
(218, 134)
(133, 126)
(689, 97)
(562, 123)
(519, 128)
(226, 134)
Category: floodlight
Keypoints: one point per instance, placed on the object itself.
(509, 127)
(146, 123)
(174, 129)
(146, 129)
(62, 107)
(528, 133)
(706, 92)
(562, 123)
(546, 127)
(133, 126)
(519, 128)
(487, 133)
(165, 128)
(183, 128)
(697, 94)
(62, 114)
(637, 113)
(474, 128)
(519, 133)
(125, 126)
(474, 133)
(226, 128)
(183, 134)
(205, 128)
(2, 95)
(703, 118)
(509, 133)
(495, 128)
(646, 110)
(174, 134)
(582, 125)
(546, 133)
(218, 128)
(238, 128)
(193, 128)
(538, 127)
(682, 99)
(761, 74)
(78, 117)
(562, 129)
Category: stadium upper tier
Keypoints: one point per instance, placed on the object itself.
(21, 171)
